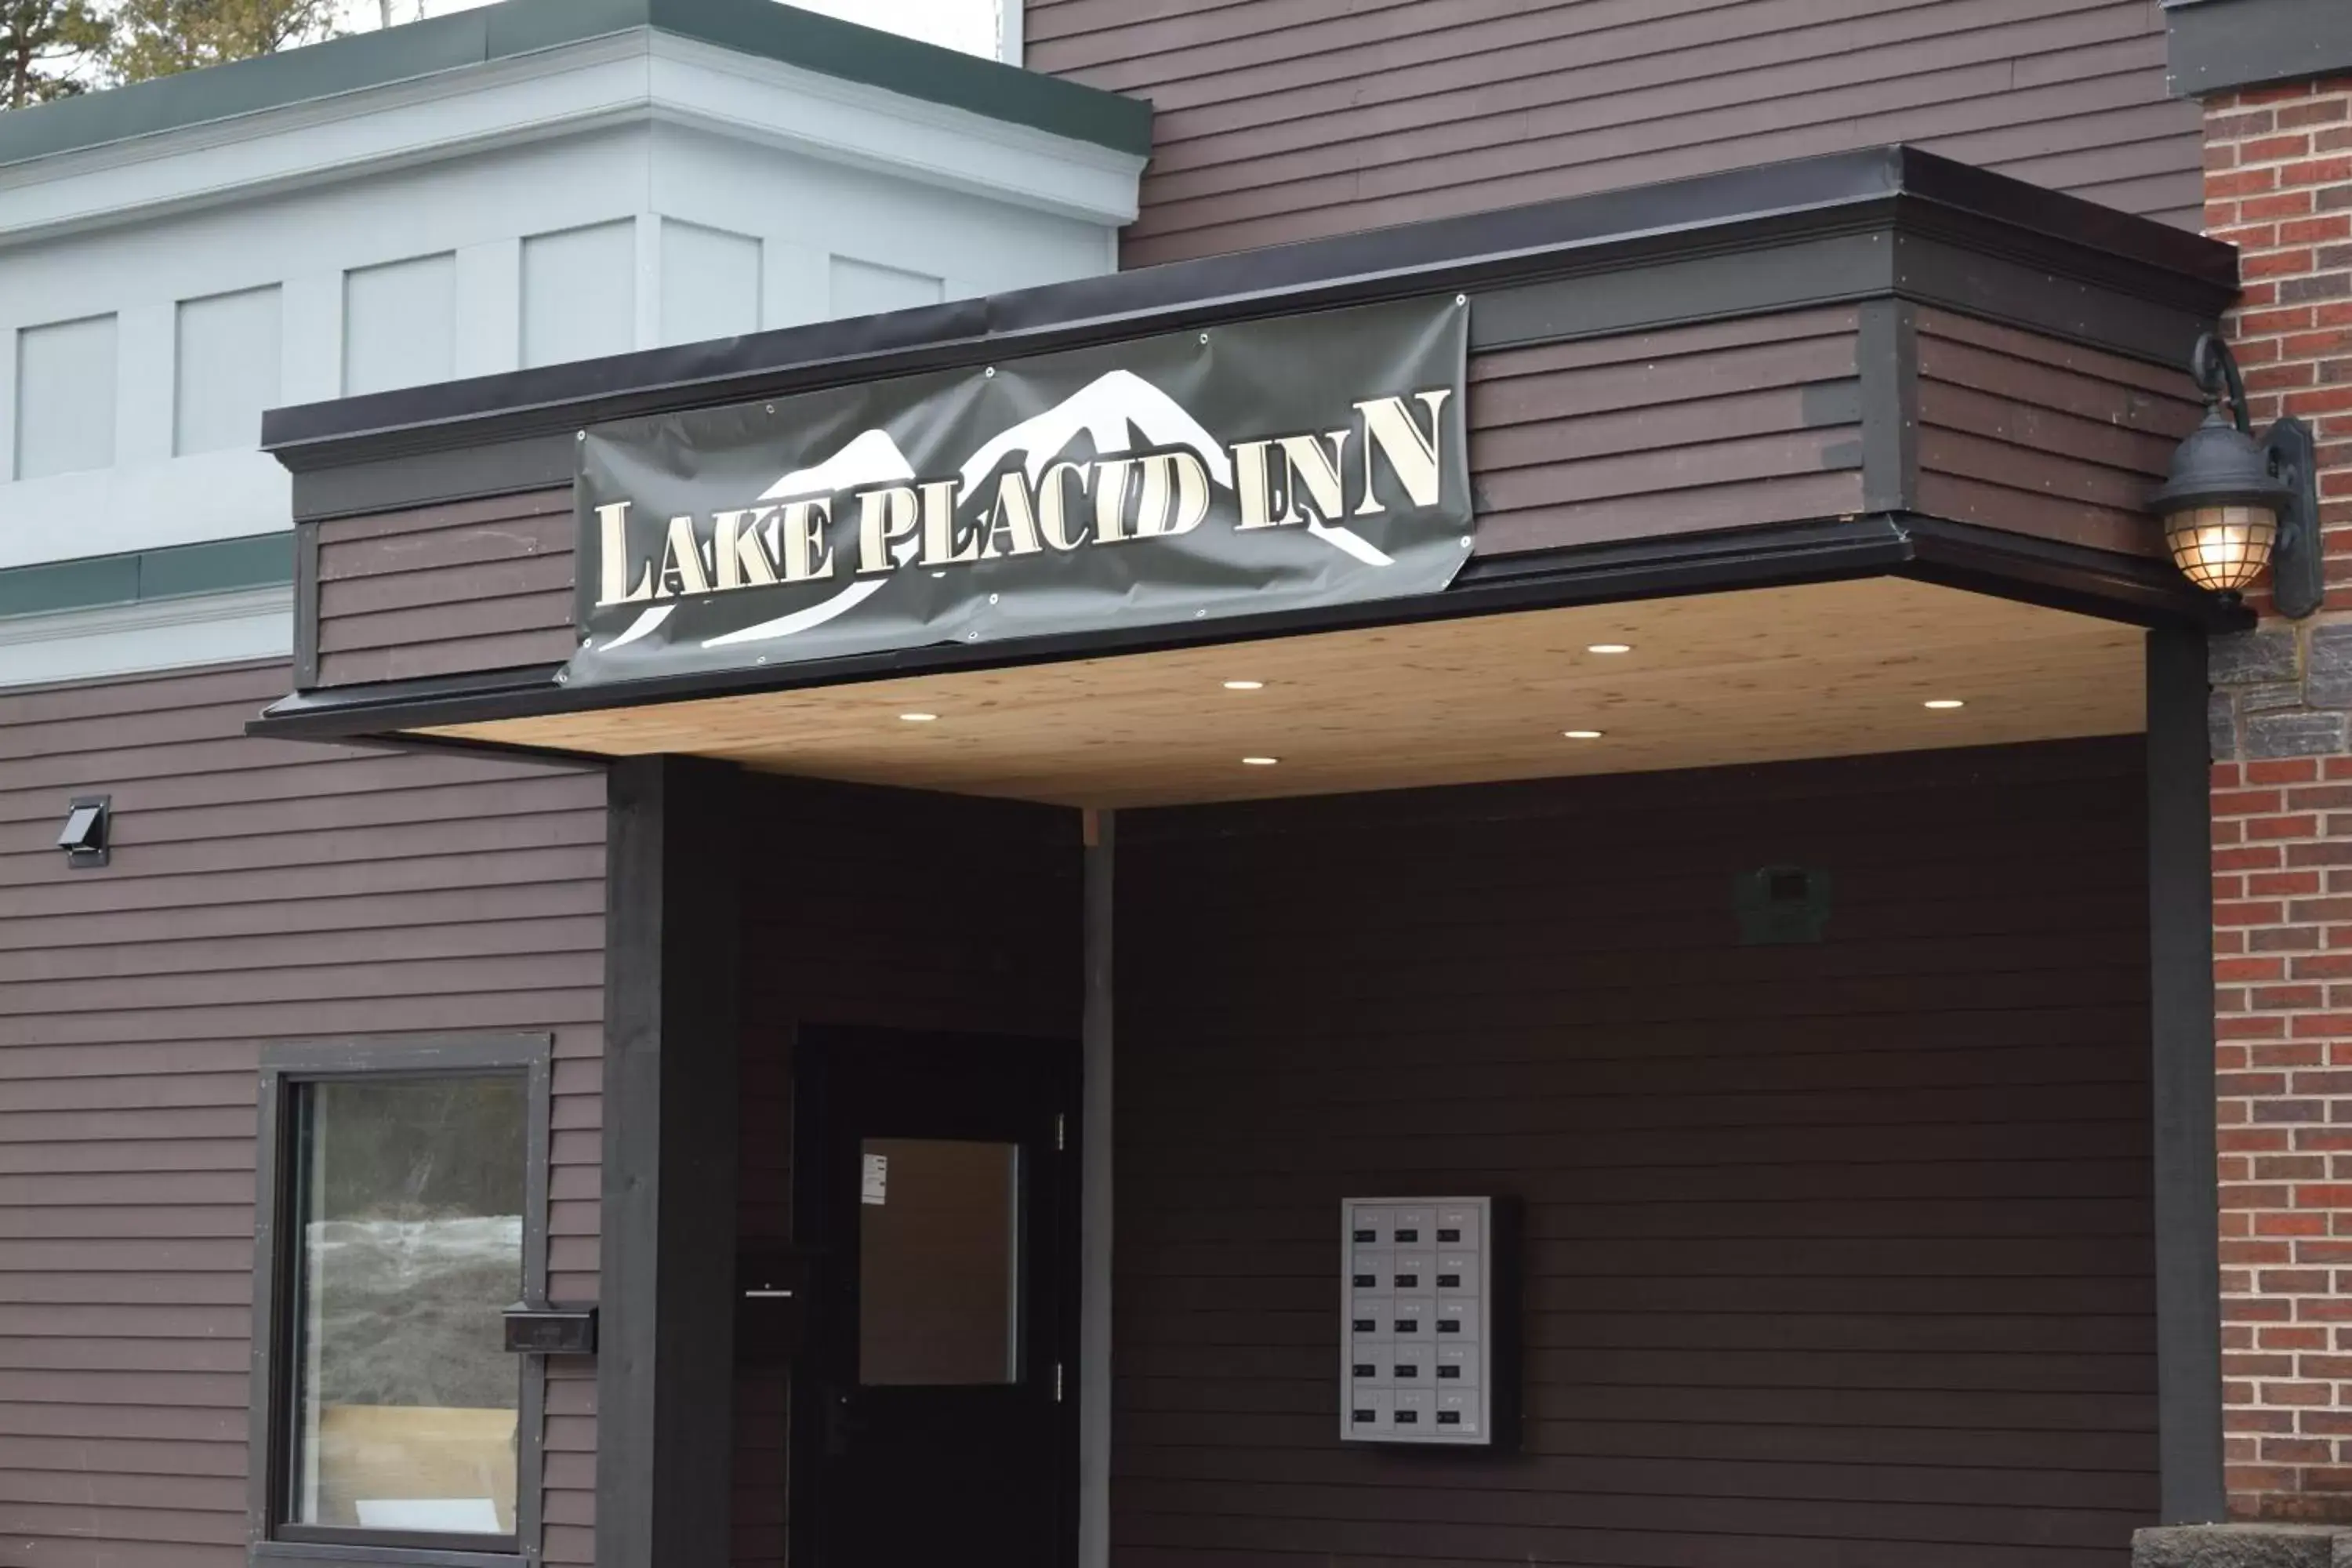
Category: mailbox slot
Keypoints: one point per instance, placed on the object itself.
(550, 1331)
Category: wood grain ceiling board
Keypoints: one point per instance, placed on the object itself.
(1767, 675)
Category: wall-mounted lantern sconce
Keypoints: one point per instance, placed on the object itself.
(2234, 504)
(90, 824)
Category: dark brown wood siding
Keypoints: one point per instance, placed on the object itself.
(260, 890)
(892, 909)
(1728, 424)
(1835, 1253)
(447, 590)
(1285, 120)
(2024, 432)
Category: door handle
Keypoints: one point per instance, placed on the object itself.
(840, 1421)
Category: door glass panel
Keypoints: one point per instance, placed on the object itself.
(939, 1262)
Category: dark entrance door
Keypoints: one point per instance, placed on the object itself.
(935, 1194)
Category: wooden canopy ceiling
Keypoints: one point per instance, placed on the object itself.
(1760, 675)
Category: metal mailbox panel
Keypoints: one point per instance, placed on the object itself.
(1417, 1344)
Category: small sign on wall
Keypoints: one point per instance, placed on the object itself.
(1425, 1321)
(873, 1178)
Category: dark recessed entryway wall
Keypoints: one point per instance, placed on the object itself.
(889, 908)
(1836, 1252)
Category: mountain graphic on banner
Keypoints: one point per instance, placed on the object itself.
(922, 514)
(1106, 409)
(1118, 412)
(872, 458)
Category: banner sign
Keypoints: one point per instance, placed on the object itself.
(1262, 467)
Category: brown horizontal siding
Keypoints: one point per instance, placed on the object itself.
(906, 911)
(1727, 425)
(2029, 433)
(259, 890)
(1835, 1252)
(1286, 119)
(472, 586)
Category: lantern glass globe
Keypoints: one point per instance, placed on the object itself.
(2223, 548)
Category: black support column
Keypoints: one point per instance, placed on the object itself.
(2180, 933)
(665, 1419)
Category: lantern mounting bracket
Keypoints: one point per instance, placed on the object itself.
(2298, 571)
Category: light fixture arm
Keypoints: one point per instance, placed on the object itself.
(2214, 369)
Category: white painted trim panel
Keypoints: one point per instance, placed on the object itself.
(627, 78)
(847, 121)
(161, 633)
(143, 506)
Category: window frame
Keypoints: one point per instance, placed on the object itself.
(285, 1068)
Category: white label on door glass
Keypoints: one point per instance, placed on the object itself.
(875, 1185)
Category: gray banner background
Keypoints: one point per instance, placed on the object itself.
(1238, 383)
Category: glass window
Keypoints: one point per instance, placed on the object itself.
(939, 1262)
(408, 1203)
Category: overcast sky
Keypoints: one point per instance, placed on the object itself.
(966, 24)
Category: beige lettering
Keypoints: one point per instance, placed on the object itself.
(1110, 499)
(1182, 475)
(1051, 520)
(682, 558)
(613, 521)
(940, 527)
(806, 554)
(1389, 428)
(1013, 516)
(1254, 485)
(1306, 464)
(735, 549)
(883, 518)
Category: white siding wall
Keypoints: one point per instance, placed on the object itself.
(868, 287)
(136, 351)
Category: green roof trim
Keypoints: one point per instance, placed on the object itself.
(764, 29)
(182, 571)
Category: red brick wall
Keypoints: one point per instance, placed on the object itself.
(2279, 184)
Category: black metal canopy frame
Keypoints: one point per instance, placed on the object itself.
(1891, 223)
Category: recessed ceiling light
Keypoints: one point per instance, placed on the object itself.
(1244, 685)
(1259, 762)
(918, 718)
(1581, 734)
(1943, 702)
(1609, 648)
